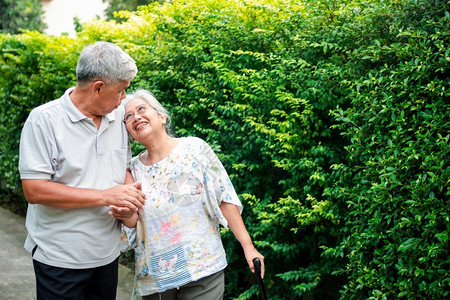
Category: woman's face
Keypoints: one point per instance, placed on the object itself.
(142, 120)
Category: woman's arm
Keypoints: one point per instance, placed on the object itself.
(237, 226)
(129, 218)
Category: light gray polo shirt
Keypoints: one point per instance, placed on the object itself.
(61, 144)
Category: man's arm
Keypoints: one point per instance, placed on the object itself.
(46, 192)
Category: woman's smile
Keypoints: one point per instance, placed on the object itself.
(140, 124)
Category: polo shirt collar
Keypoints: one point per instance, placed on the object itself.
(72, 111)
(111, 116)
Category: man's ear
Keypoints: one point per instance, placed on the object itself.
(97, 86)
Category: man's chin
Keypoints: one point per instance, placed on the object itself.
(111, 110)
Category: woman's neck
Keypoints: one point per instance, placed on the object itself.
(158, 150)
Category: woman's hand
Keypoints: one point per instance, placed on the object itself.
(128, 216)
(250, 254)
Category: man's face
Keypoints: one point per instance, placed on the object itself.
(111, 96)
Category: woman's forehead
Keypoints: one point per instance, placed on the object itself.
(136, 102)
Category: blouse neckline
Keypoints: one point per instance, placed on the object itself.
(174, 150)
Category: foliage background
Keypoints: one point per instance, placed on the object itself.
(331, 118)
(24, 14)
(118, 5)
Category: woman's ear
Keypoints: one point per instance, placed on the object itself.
(163, 118)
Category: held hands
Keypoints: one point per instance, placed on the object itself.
(125, 201)
(121, 213)
(126, 196)
(128, 218)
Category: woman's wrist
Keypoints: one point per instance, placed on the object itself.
(131, 222)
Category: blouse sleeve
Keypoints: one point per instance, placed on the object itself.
(218, 186)
(127, 238)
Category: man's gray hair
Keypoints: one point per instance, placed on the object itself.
(153, 102)
(105, 61)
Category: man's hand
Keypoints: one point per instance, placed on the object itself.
(125, 198)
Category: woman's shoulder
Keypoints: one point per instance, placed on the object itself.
(194, 140)
(135, 159)
(195, 143)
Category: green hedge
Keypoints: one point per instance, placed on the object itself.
(331, 118)
(398, 125)
(35, 69)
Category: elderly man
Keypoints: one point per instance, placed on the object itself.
(74, 153)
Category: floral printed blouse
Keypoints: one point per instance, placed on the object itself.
(177, 238)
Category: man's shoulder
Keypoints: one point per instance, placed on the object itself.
(53, 106)
(46, 107)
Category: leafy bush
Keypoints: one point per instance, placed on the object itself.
(118, 5)
(35, 69)
(398, 126)
(16, 15)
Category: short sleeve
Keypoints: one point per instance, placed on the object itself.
(218, 185)
(38, 154)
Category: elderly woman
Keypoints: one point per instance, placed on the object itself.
(179, 251)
